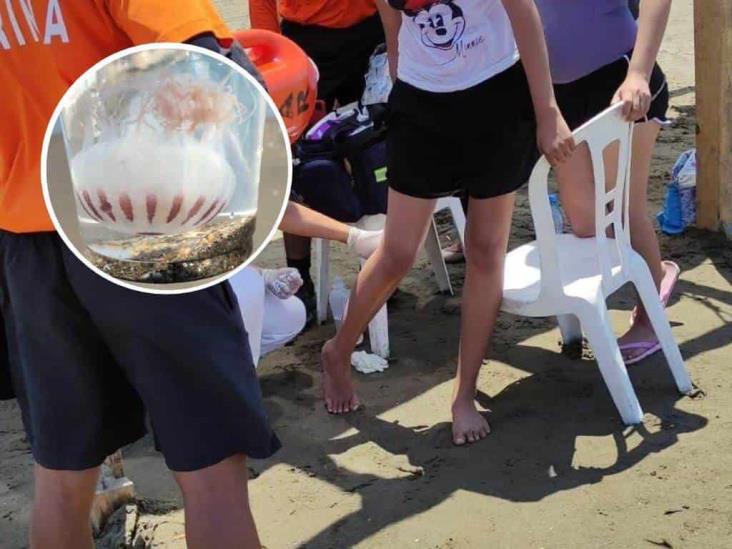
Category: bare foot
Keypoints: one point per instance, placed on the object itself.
(468, 425)
(671, 273)
(339, 395)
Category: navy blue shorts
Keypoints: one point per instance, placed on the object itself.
(89, 360)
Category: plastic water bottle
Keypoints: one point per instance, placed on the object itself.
(557, 215)
(338, 299)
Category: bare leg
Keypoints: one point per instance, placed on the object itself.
(406, 227)
(217, 506)
(62, 503)
(575, 183)
(486, 239)
(577, 191)
(642, 232)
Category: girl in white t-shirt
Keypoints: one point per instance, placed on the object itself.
(466, 115)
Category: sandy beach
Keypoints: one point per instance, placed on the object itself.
(559, 469)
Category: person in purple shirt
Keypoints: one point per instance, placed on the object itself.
(600, 55)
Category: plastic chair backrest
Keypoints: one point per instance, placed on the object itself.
(603, 130)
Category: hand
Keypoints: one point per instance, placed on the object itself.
(363, 243)
(554, 137)
(282, 283)
(635, 94)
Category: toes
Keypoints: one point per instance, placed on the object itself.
(459, 439)
(355, 404)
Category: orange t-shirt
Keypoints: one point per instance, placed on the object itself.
(334, 14)
(47, 44)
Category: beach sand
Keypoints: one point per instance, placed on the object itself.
(559, 469)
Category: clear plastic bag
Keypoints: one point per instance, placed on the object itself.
(378, 80)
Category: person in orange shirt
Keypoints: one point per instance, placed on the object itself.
(339, 36)
(88, 360)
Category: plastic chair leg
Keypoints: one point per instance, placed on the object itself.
(569, 326)
(434, 253)
(379, 330)
(379, 333)
(458, 218)
(657, 315)
(596, 326)
(321, 250)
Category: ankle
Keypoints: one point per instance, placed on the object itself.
(336, 350)
(463, 398)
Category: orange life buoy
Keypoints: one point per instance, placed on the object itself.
(290, 75)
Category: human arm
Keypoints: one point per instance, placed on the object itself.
(194, 22)
(391, 19)
(263, 15)
(553, 135)
(635, 92)
(302, 221)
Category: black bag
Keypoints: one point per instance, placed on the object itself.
(343, 174)
(321, 180)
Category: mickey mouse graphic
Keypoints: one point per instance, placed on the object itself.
(441, 22)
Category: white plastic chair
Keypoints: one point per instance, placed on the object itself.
(570, 277)
(379, 325)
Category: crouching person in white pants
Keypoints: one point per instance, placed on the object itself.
(273, 316)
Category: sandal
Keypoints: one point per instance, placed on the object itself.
(648, 348)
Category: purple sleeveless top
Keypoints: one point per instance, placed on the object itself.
(584, 35)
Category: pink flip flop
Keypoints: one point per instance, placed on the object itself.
(651, 348)
(667, 286)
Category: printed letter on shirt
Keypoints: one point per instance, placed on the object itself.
(55, 25)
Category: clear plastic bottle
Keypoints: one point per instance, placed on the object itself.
(338, 299)
(557, 214)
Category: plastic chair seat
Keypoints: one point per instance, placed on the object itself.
(579, 270)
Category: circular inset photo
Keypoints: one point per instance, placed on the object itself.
(167, 168)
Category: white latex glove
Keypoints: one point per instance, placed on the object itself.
(363, 243)
(282, 283)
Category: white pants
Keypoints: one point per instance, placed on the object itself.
(270, 322)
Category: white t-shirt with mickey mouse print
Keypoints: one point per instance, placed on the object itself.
(452, 45)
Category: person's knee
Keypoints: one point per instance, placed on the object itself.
(69, 491)
(214, 482)
(583, 227)
(485, 254)
(399, 257)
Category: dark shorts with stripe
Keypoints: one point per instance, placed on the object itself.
(89, 361)
(588, 96)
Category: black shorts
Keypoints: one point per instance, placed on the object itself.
(341, 55)
(481, 140)
(89, 359)
(588, 96)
